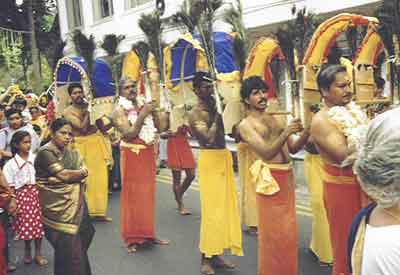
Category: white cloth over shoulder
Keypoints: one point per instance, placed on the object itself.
(381, 254)
(19, 172)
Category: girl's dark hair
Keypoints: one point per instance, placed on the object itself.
(16, 139)
(59, 123)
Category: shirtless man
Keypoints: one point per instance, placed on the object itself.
(271, 139)
(94, 150)
(220, 221)
(342, 194)
(137, 126)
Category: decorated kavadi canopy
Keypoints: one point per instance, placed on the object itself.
(74, 70)
(186, 56)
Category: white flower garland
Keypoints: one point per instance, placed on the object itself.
(352, 122)
(148, 131)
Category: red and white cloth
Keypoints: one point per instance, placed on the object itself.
(20, 174)
(28, 223)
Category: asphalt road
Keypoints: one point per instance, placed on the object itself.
(181, 257)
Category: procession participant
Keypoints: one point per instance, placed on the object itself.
(374, 242)
(271, 140)
(248, 200)
(220, 220)
(138, 167)
(60, 176)
(95, 152)
(336, 130)
(320, 244)
(16, 123)
(20, 175)
(180, 157)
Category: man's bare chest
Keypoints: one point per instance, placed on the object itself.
(269, 129)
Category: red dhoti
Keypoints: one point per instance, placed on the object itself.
(138, 169)
(277, 226)
(343, 199)
(179, 153)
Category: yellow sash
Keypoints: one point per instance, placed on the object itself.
(261, 175)
(135, 148)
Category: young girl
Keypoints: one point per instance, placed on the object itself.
(20, 175)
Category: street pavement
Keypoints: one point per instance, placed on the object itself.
(181, 257)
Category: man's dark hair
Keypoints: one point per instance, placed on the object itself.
(72, 86)
(327, 75)
(20, 100)
(380, 82)
(200, 77)
(12, 111)
(59, 123)
(252, 83)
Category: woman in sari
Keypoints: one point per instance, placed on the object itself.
(374, 243)
(60, 177)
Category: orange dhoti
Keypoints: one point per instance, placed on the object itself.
(138, 172)
(179, 153)
(343, 199)
(277, 226)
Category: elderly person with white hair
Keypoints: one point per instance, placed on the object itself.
(374, 242)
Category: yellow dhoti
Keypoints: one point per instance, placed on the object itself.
(220, 221)
(320, 237)
(248, 187)
(96, 154)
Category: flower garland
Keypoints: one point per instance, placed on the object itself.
(148, 131)
(352, 122)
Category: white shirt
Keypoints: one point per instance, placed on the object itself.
(19, 172)
(381, 255)
(7, 133)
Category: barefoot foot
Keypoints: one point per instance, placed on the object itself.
(160, 242)
(220, 262)
(206, 268)
(131, 248)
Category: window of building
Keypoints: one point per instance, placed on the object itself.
(135, 3)
(74, 13)
(102, 8)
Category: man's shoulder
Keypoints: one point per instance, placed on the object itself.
(320, 119)
(195, 114)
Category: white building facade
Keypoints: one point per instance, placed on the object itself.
(102, 17)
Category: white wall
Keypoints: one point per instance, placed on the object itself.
(256, 13)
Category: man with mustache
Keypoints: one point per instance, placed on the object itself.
(220, 221)
(331, 132)
(137, 126)
(94, 149)
(271, 139)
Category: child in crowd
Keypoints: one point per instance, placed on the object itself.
(20, 175)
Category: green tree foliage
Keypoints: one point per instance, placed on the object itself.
(46, 27)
